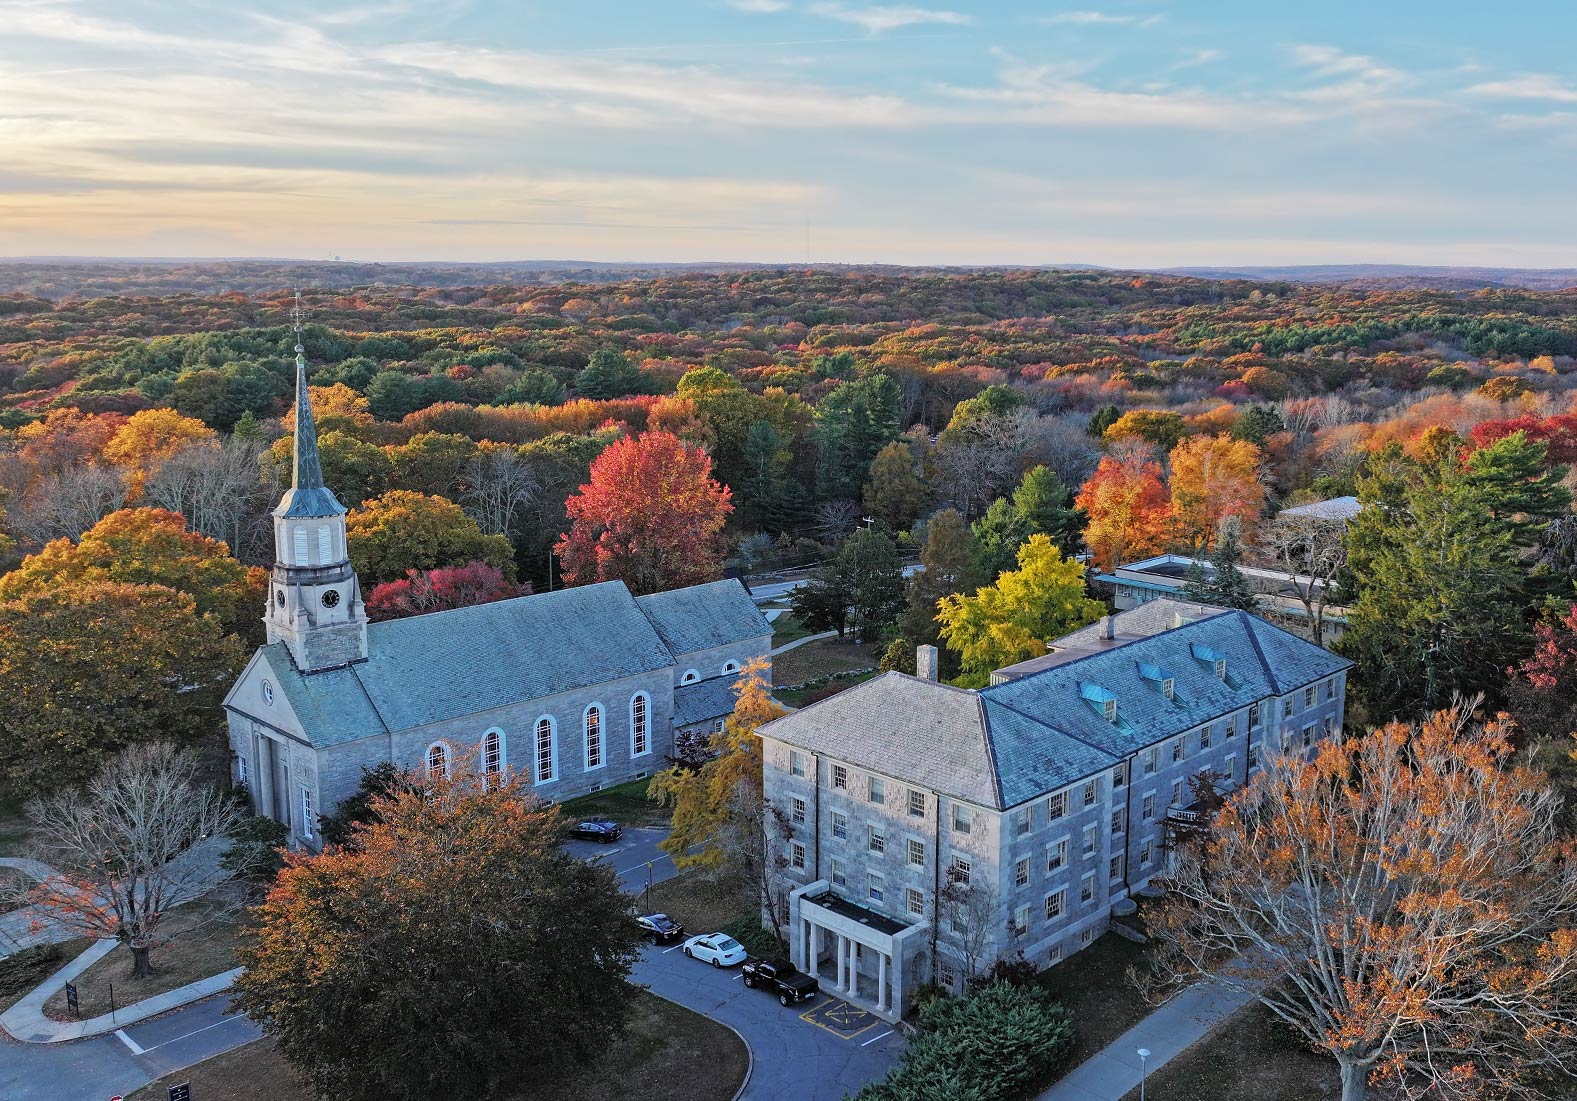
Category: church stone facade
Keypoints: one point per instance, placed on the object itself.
(578, 689)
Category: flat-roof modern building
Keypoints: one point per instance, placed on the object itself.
(1166, 575)
(927, 831)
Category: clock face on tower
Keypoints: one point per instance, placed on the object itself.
(330, 597)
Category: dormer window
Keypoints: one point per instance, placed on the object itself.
(1168, 686)
(1161, 678)
(1109, 710)
(1102, 698)
(1214, 658)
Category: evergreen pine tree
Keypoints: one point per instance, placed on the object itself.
(1225, 585)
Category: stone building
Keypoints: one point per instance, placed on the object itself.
(579, 689)
(929, 831)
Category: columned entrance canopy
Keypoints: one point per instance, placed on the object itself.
(870, 954)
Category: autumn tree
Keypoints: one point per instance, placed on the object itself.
(66, 504)
(216, 487)
(125, 847)
(150, 437)
(499, 485)
(1160, 427)
(422, 591)
(1542, 696)
(403, 531)
(1215, 478)
(451, 946)
(150, 546)
(651, 515)
(92, 668)
(1128, 508)
(722, 824)
(895, 494)
(1011, 620)
(1403, 902)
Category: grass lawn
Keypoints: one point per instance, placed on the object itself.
(669, 1054)
(786, 629)
(823, 659)
(701, 907)
(1094, 985)
(626, 804)
(21, 971)
(208, 949)
(1250, 1057)
(800, 697)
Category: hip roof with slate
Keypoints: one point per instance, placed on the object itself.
(465, 661)
(1016, 741)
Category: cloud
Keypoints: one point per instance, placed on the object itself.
(1533, 86)
(890, 17)
(1099, 18)
(758, 7)
(1352, 74)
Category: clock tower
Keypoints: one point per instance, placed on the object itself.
(314, 598)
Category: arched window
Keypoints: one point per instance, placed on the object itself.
(438, 759)
(593, 723)
(690, 676)
(640, 738)
(492, 753)
(730, 667)
(544, 750)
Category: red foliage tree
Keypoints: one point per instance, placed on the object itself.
(422, 591)
(1542, 695)
(1558, 432)
(651, 516)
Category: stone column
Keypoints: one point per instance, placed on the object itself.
(264, 763)
(843, 960)
(813, 961)
(854, 969)
(881, 981)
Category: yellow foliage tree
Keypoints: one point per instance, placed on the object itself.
(148, 438)
(329, 402)
(1213, 478)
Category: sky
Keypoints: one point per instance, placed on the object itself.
(1130, 133)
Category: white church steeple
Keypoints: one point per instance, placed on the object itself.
(315, 606)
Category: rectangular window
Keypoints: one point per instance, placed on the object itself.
(1021, 873)
(594, 738)
(958, 871)
(1330, 688)
(1091, 791)
(544, 751)
(917, 853)
(1177, 751)
(1120, 775)
(719, 725)
(1330, 725)
(1021, 821)
(840, 826)
(1054, 956)
(1169, 687)
(1204, 737)
(1087, 889)
(914, 901)
(1148, 807)
(1253, 757)
(796, 763)
(799, 810)
(1308, 696)
(1253, 714)
(640, 741)
(876, 790)
(1109, 710)
(1308, 736)
(240, 769)
(840, 777)
(876, 840)
(1057, 855)
(306, 812)
(1286, 739)
(1117, 867)
(1086, 937)
(960, 818)
(1057, 806)
(1055, 904)
(874, 885)
(1090, 834)
(960, 920)
(1286, 704)
(325, 547)
(916, 804)
(1230, 727)
(840, 877)
(1232, 768)
(1177, 793)
(1119, 819)
(1021, 921)
(1152, 759)
(1146, 853)
(798, 857)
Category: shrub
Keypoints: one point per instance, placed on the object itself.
(989, 1046)
(255, 845)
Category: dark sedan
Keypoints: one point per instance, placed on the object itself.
(660, 927)
(605, 830)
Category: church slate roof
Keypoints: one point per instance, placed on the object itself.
(1041, 732)
(703, 616)
(465, 661)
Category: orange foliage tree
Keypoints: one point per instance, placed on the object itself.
(152, 436)
(1214, 478)
(1404, 902)
(651, 516)
(1129, 513)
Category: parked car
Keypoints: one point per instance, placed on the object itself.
(782, 978)
(718, 949)
(605, 830)
(660, 927)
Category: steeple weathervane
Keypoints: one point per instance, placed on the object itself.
(307, 495)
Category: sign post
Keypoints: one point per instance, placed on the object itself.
(181, 1092)
(71, 999)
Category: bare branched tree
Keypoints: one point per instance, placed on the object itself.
(216, 486)
(501, 483)
(67, 504)
(1312, 553)
(971, 909)
(835, 519)
(979, 465)
(142, 838)
(1404, 902)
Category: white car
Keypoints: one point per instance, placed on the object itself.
(718, 949)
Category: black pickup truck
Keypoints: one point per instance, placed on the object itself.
(781, 978)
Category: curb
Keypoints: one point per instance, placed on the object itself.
(750, 1055)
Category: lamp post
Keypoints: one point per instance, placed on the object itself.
(1144, 1054)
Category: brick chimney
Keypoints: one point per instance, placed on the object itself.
(925, 663)
(1108, 628)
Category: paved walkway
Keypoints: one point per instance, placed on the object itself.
(1110, 1074)
(802, 641)
(29, 925)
